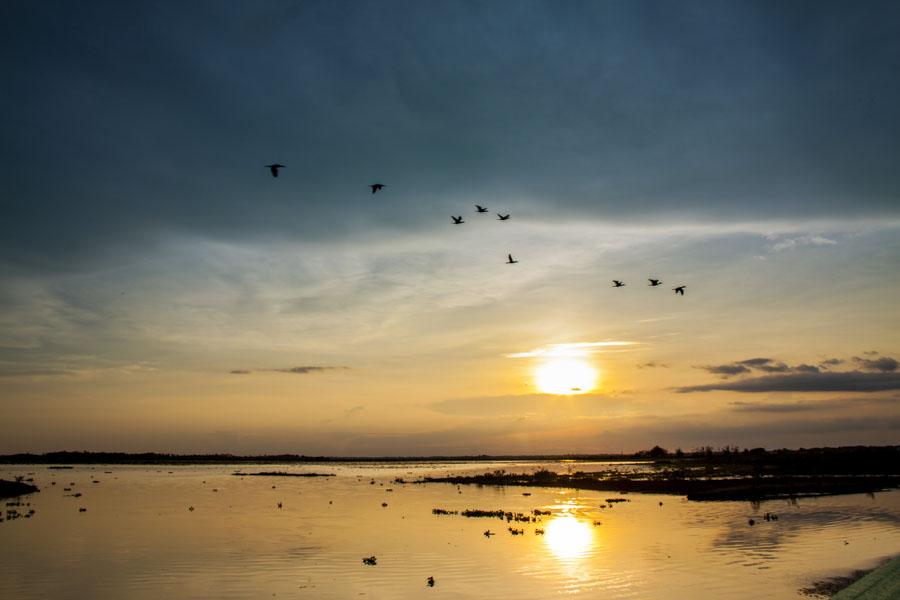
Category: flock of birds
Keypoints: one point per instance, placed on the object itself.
(458, 220)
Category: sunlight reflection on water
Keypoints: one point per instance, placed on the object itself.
(569, 538)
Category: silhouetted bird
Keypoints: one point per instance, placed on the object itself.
(431, 582)
(679, 289)
(503, 217)
(274, 168)
(510, 260)
(617, 283)
(654, 282)
(376, 187)
(480, 209)
(457, 220)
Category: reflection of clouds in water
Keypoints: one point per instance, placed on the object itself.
(763, 541)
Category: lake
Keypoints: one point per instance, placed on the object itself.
(138, 537)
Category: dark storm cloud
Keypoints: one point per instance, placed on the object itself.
(124, 121)
(295, 370)
(849, 381)
(765, 365)
(884, 364)
(726, 370)
(305, 370)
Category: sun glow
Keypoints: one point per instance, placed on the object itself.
(565, 376)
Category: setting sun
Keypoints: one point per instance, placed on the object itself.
(565, 376)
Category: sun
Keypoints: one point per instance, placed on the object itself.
(565, 375)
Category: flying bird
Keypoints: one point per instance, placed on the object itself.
(617, 283)
(480, 209)
(679, 289)
(457, 220)
(510, 261)
(377, 187)
(503, 217)
(654, 282)
(274, 168)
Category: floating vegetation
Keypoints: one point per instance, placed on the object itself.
(516, 531)
(614, 500)
(441, 511)
(370, 560)
(475, 513)
(281, 474)
(538, 532)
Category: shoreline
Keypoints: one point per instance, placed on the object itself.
(833, 460)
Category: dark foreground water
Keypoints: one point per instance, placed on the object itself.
(138, 538)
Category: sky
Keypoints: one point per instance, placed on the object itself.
(161, 291)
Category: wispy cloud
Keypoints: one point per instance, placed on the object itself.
(782, 243)
(810, 406)
(304, 370)
(570, 349)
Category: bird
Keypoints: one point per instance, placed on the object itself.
(431, 582)
(274, 168)
(654, 282)
(377, 187)
(679, 289)
(503, 217)
(617, 283)
(457, 220)
(480, 209)
(510, 260)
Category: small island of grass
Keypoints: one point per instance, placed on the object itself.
(728, 474)
(282, 474)
(11, 489)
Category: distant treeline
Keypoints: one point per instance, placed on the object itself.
(847, 459)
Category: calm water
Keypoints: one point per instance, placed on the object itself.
(138, 539)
